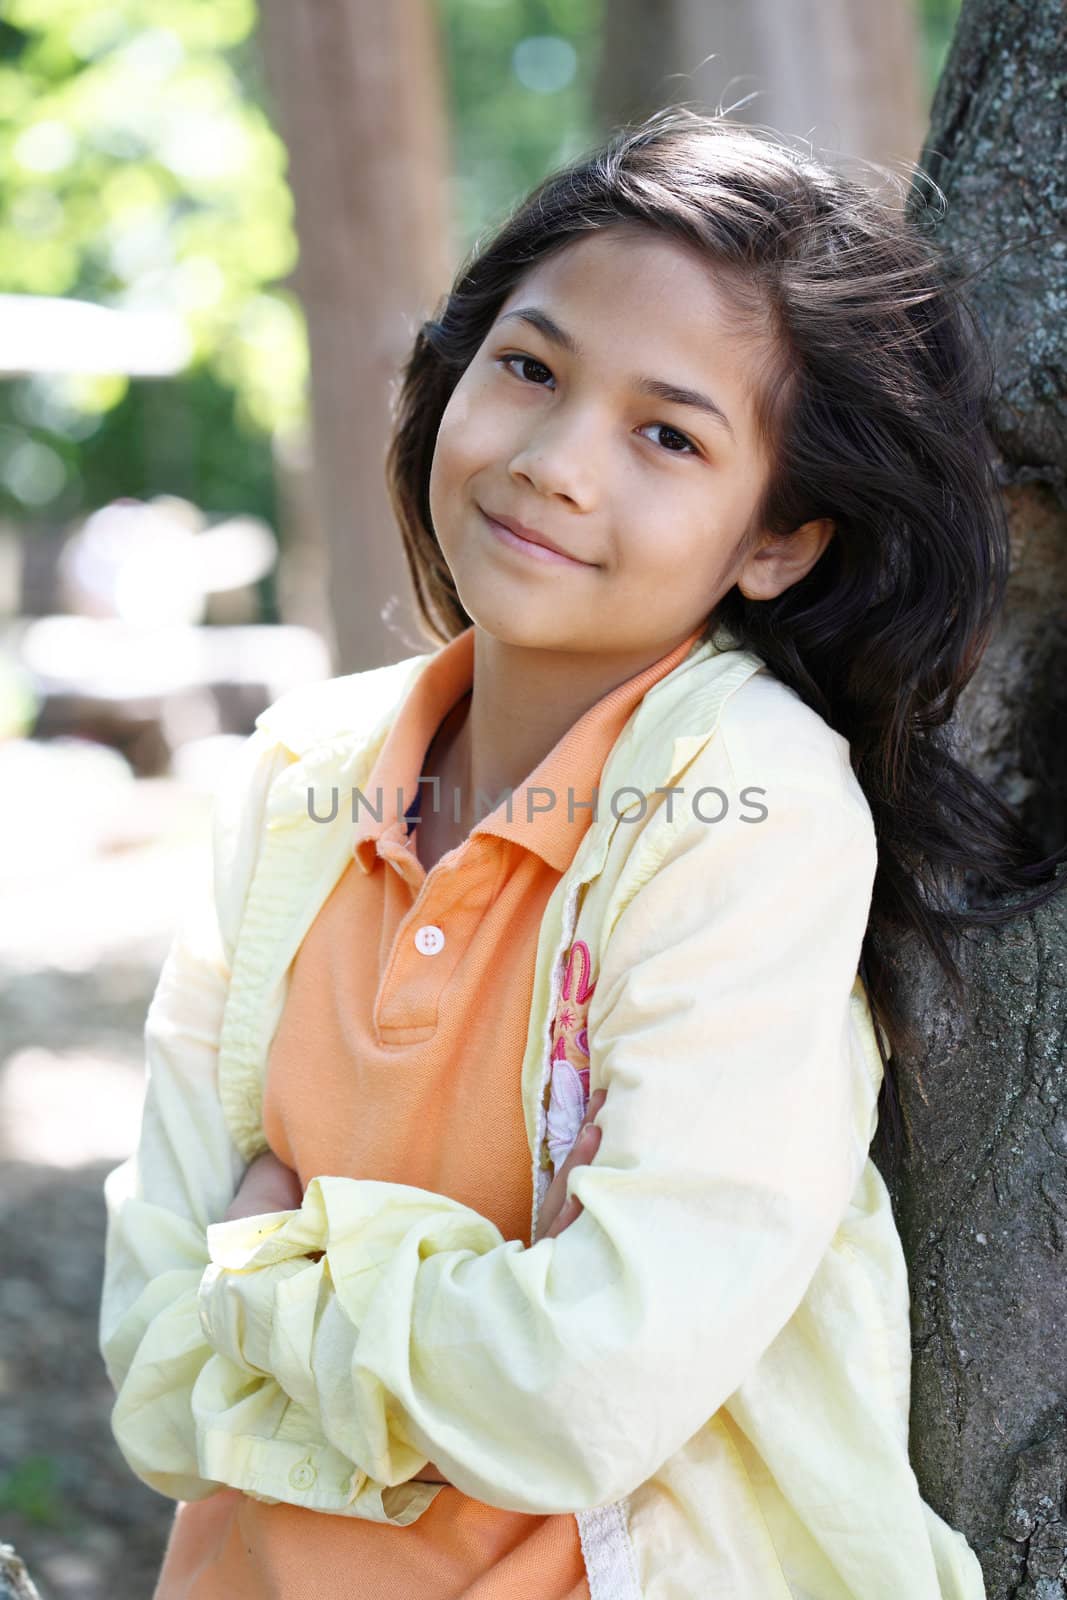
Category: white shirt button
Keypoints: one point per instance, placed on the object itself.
(429, 940)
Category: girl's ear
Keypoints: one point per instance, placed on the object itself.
(783, 559)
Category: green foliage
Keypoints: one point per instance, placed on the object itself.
(138, 170)
(520, 76)
(31, 1490)
(937, 24)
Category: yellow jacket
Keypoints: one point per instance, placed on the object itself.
(711, 1366)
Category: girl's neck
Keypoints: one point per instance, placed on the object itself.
(522, 703)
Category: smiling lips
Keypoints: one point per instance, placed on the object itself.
(529, 541)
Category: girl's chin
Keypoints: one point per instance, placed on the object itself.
(525, 623)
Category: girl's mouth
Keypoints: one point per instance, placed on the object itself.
(538, 552)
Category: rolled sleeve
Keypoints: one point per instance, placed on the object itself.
(560, 1376)
(162, 1206)
(184, 1171)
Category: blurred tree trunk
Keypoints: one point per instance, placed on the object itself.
(358, 94)
(983, 1207)
(843, 73)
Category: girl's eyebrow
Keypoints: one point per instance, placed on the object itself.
(655, 387)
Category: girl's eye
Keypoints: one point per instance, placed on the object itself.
(530, 361)
(524, 361)
(690, 447)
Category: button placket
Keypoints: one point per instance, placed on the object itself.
(421, 963)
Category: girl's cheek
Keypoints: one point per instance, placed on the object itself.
(450, 448)
(458, 435)
(458, 410)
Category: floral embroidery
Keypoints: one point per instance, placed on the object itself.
(568, 1094)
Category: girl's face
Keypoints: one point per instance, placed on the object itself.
(554, 426)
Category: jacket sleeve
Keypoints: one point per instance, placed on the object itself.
(180, 1180)
(182, 1176)
(185, 1170)
(557, 1377)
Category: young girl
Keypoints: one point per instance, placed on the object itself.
(697, 502)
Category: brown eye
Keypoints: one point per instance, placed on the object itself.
(688, 443)
(524, 361)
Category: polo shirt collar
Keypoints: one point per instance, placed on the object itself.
(564, 779)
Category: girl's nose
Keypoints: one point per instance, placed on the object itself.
(558, 461)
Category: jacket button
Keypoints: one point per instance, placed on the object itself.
(303, 1475)
(429, 940)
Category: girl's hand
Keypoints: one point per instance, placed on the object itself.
(559, 1211)
(268, 1185)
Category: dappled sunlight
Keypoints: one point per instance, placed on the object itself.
(64, 1108)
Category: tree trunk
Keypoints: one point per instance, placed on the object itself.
(982, 1212)
(842, 73)
(982, 1207)
(997, 146)
(357, 90)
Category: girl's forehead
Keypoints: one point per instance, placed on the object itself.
(657, 282)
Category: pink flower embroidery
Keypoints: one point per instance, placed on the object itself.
(569, 1090)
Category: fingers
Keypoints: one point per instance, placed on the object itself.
(558, 1211)
(567, 1214)
(585, 1149)
(584, 1146)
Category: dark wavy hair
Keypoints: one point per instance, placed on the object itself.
(872, 410)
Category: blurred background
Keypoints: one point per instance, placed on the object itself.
(220, 226)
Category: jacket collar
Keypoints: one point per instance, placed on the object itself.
(336, 729)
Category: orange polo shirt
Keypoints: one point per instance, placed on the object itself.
(398, 1057)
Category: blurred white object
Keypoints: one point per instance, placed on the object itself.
(95, 864)
(41, 333)
(201, 764)
(112, 660)
(57, 801)
(155, 562)
(62, 1108)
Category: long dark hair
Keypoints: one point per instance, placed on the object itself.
(872, 411)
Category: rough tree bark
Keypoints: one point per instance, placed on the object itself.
(982, 1206)
(360, 102)
(997, 146)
